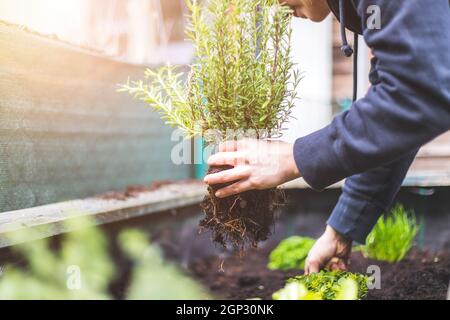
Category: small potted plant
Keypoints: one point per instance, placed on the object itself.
(241, 84)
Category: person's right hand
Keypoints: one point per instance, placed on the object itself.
(331, 250)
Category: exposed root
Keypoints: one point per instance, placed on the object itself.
(243, 219)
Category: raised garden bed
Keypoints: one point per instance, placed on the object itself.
(422, 275)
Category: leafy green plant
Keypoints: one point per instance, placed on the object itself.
(48, 273)
(291, 253)
(325, 285)
(242, 78)
(392, 237)
(152, 277)
(296, 291)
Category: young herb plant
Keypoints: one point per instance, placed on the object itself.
(392, 237)
(242, 84)
(242, 79)
(291, 253)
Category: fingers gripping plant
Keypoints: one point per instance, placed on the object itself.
(242, 84)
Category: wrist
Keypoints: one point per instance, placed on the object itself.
(293, 170)
(336, 235)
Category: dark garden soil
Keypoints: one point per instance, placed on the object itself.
(420, 276)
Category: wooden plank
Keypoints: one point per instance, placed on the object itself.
(49, 220)
(438, 148)
(65, 131)
(427, 178)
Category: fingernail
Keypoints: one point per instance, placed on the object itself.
(218, 194)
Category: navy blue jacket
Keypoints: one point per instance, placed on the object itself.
(408, 104)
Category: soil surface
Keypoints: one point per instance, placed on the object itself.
(420, 276)
(134, 191)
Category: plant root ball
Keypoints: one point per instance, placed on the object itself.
(241, 220)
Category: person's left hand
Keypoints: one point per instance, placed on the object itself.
(258, 164)
(332, 251)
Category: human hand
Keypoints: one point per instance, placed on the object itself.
(258, 164)
(331, 251)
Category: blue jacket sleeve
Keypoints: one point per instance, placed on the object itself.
(366, 196)
(407, 107)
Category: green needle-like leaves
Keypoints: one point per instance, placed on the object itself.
(242, 78)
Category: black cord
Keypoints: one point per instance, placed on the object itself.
(355, 67)
(346, 48)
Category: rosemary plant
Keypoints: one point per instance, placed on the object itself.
(242, 79)
(241, 84)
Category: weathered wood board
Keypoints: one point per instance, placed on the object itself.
(50, 220)
(65, 131)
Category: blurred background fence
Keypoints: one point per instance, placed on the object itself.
(66, 133)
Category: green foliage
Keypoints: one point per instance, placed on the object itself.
(242, 79)
(152, 277)
(47, 275)
(392, 237)
(325, 285)
(290, 253)
(83, 269)
(296, 291)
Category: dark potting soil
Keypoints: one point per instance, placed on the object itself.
(421, 275)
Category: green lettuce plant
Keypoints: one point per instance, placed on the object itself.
(393, 236)
(296, 291)
(291, 253)
(153, 278)
(325, 285)
(83, 269)
(47, 273)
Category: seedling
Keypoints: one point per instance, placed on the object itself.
(392, 237)
(290, 253)
(242, 84)
(325, 285)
